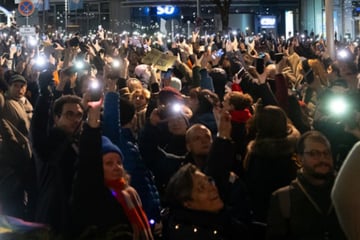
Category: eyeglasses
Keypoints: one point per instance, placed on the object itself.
(70, 115)
(318, 154)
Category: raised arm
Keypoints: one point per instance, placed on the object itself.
(111, 121)
(222, 152)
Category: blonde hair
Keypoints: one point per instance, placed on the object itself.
(133, 84)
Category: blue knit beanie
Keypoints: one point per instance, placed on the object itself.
(108, 146)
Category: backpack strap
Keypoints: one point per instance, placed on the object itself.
(284, 201)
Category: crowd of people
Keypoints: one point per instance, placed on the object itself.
(225, 136)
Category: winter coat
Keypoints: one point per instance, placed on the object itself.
(301, 220)
(194, 225)
(55, 154)
(270, 165)
(17, 174)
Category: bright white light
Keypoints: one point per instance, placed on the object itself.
(79, 64)
(342, 53)
(177, 107)
(32, 42)
(94, 84)
(40, 61)
(116, 63)
(338, 106)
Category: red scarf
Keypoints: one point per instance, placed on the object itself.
(240, 116)
(131, 203)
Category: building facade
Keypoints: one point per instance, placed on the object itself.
(181, 16)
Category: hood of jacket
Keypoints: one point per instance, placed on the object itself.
(273, 147)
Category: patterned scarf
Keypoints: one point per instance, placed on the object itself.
(131, 203)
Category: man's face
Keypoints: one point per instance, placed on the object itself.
(17, 90)
(70, 119)
(317, 159)
(205, 195)
(199, 141)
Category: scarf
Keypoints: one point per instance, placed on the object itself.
(240, 116)
(131, 203)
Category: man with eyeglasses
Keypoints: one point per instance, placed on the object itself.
(303, 210)
(55, 144)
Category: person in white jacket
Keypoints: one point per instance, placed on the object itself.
(346, 194)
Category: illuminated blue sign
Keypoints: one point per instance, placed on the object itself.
(165, 10)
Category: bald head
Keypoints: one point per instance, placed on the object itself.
(198, 139)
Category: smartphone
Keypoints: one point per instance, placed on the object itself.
(260, 65)
(166, 75)
(95, 90)
(278, 57)
(241, 72)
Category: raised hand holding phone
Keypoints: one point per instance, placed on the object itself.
(94, 112)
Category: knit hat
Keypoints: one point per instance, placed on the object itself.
(127, 111)
(142, 74)
(169, 94)
(107, 147)
(175, 83)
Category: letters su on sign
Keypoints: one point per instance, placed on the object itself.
(165, 10)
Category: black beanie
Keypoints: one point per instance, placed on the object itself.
(127, 111)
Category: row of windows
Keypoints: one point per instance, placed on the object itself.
(85, 19)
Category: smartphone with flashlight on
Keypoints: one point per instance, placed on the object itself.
(95, 90)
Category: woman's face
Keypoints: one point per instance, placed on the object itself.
(205, 195)
(226, 103)
(139, 101)
(112, 165)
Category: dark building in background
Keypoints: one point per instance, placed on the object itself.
(172, 16)
(180, 16)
